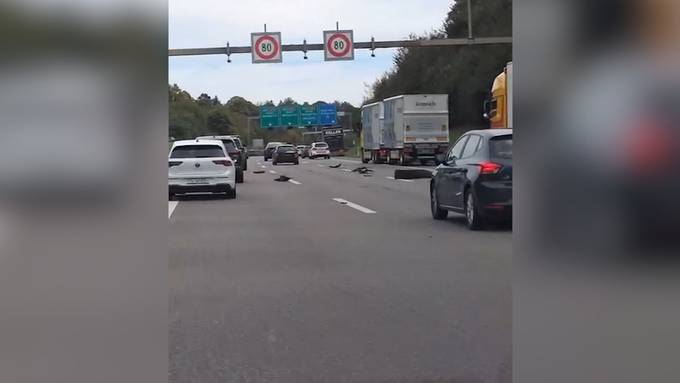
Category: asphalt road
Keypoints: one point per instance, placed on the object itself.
(335, 277)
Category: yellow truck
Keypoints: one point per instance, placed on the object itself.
(498, 108)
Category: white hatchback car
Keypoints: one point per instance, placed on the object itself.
(319, 149)
(200, 167)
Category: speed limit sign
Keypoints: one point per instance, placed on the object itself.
(266, 47)
(338, 45)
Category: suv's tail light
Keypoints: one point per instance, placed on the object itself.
(489, 168)
(174, 163)
(222, 162)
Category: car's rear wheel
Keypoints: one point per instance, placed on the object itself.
(231, 193)
(239, 176)
(437, 212)
(297, 162)
(472, 218)
(328, 157)
(172, 197)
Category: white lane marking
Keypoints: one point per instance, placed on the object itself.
(352, 161)
(354, 206)
(346, 170)
(272, 171)
(263, 167)
(294, 182)
(171, 207)
(390, 178)
(321, 166)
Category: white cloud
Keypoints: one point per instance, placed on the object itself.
(209, 23)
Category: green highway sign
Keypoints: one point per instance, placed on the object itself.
(309, 115)
(290, 115)
(270, 117)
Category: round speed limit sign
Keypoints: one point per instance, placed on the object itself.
(338, 45)
(266, 47)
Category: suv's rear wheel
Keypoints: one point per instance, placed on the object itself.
(239, 176)
(231, 193)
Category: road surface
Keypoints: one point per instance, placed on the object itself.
(334, 277)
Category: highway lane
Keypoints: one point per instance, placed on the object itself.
(287, 284)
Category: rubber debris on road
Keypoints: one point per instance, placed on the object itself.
(335, 166)
(282, 179)
(412, 174)
(363, 170)
(258, 172)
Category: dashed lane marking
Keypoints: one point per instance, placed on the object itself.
(294, 182)
(354, 206)
(171, 207)
(272, 171)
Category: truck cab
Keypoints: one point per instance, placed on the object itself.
(498, 107)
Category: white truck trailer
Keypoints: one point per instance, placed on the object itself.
(371, 131)
(415, 128)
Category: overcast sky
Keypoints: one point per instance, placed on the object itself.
(211, 23)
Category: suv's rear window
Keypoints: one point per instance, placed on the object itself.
(229, 145)
(321, 145)
(284, 148)
(238, 143)
(197, 151)
(501, 147)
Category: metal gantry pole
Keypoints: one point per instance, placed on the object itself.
(469, 16)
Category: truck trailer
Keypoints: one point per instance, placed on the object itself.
(415, 128)
(335, 138)
(371, 132)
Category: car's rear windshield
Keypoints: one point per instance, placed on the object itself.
(284, 148)
(238, 143)
(197, 151)
(501, 147)
(321, 145)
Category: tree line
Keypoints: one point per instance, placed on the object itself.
(465, 73)
(191, 117)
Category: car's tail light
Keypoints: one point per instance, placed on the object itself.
(489, 168)
(234, 154)
(223, 162)
(174, 163)
(650, 146)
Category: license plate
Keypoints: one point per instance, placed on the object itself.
(426, 151)
(198, 181)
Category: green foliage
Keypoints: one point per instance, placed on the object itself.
(465, 73)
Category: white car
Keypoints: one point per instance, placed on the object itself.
(319, 149)
(200, 167)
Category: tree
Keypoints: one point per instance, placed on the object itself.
(218, 122)
(465, 73)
